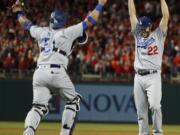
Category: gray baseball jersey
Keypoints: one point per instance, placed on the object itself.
(149, 51)
(49, 39)
(50, 77)
(147, 88)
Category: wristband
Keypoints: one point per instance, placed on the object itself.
(19, 14)
(91, 19)
(85, 26)
(99, 7)
(27, 25)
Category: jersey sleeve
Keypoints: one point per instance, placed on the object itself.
(35, 31)
(74, 31)
(160, 33)
(161, 36)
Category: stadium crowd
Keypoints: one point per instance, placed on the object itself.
(110, 48)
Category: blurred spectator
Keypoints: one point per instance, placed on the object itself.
(110, 49)
(8, 62)
(176, 63)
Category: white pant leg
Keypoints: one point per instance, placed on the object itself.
(141, 103)
(154, 93)
(41, 92)
(41, 96)
(64, 85)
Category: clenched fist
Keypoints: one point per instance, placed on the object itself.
(102, 2)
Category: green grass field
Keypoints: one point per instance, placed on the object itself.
(16, 128)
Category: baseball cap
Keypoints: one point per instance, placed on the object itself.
(144, 22)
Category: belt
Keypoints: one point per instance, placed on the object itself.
(56, 50)
(60, 51)
(144, 72)
(49, 66)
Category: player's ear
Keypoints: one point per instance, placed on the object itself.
(151, 27)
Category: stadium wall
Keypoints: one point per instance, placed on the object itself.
(101, 102)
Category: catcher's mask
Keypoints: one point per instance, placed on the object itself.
(57, 19)
(144, 26)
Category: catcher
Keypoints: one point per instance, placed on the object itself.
(50, 77)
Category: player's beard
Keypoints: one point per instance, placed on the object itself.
(146, 32)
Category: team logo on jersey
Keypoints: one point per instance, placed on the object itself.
(45, 41)
(141, 43)
(44, 44)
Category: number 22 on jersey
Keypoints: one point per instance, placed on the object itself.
(153, 50)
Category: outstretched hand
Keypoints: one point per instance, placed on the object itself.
(102, 2)
(17, 7)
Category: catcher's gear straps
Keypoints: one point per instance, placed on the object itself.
(42, 110)
(76, 102)
(69, 116)
(34, 117)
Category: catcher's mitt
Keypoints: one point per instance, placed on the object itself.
(16, 5)
(12, 2)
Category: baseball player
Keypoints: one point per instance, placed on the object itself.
(55, 44)
(149, 46)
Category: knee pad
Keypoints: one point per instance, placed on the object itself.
(34, 117)
(69, 115)
(75, 102)
(42, 110)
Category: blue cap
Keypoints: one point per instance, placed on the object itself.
(144, 22)
(57, 19)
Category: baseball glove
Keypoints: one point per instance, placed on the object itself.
(16, 5)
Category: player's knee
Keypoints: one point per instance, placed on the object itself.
(42, 110)
(155, 106)
(142, 115)
(74, 105)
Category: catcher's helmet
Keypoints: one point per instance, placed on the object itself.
(144, 22)
(57, 19)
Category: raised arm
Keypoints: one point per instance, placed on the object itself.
(20, 15)
(93, 17)
(90, 20)
(132, 14)
(165, 16)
